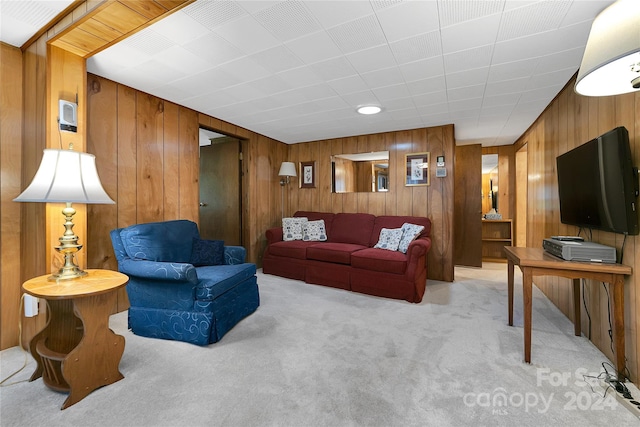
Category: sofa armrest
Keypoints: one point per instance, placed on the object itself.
(418, 247)
(274, 235)
(234, 255)
(171, 271)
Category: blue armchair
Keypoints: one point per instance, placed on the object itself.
(180, 286)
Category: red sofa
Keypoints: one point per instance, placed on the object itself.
(348, 259)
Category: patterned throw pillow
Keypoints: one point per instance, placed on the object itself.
(409, 234)
(207, 252)
(314, 231)
(389, 239)
(292, 228)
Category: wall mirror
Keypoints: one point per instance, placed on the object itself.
(489, 182)
(360, 172)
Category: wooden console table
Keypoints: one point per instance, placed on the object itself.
(76, 352)
(536, 262)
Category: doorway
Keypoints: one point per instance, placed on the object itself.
(220, 187)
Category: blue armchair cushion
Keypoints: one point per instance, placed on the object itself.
(207, 252)
(169, 241)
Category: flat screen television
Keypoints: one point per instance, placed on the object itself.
(598, 184)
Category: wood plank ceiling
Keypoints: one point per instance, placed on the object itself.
(111, 22)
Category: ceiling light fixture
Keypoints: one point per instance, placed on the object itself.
(611, 61)
(369, 109)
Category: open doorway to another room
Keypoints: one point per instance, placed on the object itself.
(220, 187)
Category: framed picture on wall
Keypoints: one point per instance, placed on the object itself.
(417, 169)
(307, 174)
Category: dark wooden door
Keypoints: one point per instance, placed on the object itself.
(467, 243)
(220, 192)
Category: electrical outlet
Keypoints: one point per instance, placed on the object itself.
(30, 306)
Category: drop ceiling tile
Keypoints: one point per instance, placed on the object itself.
(432, 84)
(300, 77)
(556, 79)
(246, 69)
(531, 19)
(558, 61)
(478, 76)
(433, 109)
(347, 85)
(270, 85)
(253, 6)
(470, 34)
(383, 77)
(468, 59)
(497, 112)
(387, 93)
(288, 20)
(512, 70)
(332, 69)
(317, 91)
(417, 48)
(424, 69)
(506, 86)
(360, 98)
(454, 12)
(540, 93)
(183, 59)
(584, 11)
(247, 35)
(212, 14)
(509, 99)
(314, 47)
(160, 71)
(325, 11)
(214, 79)
(408, 19)
(179, 28)
(148, 42)
(465, 93)
(432, 98)
(276, 59)
(360, 34)
(213, 49)
(372, 59)
(115, 59)
(465, 105)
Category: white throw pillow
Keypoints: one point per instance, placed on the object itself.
(292, 228)
(314, 231)
(389, 239)
(409, 234)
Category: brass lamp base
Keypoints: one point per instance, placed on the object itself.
(68, 247)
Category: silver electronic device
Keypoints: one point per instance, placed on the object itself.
(576, 250)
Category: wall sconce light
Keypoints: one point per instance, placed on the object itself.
(66, 176)
(611, 61)
(287, 170)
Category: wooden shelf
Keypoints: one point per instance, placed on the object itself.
(496, 234)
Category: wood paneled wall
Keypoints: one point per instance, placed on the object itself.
(434, 201)
(569, 121)
(11, 101)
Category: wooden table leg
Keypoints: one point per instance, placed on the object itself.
(94, 362)
(577, 322)
(526, 302)
(510, 290)
(618, 323)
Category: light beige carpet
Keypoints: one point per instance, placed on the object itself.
(317, 356)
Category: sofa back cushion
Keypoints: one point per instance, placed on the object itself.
(352, 228)
(314, 216)
(168, 241)
(396, 222)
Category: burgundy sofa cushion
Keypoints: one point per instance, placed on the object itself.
(396, 222)
(339, 253)
(291, 249)
(352, 228)
(314, 216)
(380, 260)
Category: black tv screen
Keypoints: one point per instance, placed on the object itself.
(598, 185)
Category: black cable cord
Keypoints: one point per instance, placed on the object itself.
(624, 240)
(584, 303)
(604, 285)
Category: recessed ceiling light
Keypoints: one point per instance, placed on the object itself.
(369, 109)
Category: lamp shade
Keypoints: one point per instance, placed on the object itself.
(287, 169)
(611, 61)
(66, 176)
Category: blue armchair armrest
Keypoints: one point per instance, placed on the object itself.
(159, 270)
(234, 255)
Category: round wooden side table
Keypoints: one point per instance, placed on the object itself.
(77, 352)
